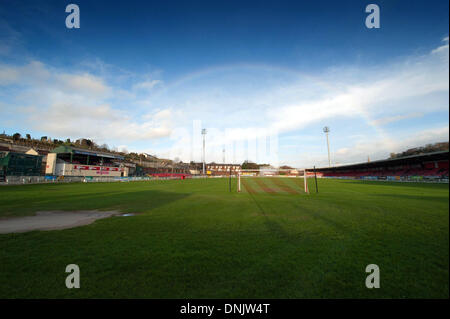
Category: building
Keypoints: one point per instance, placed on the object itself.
(268, 170)
(42, 153)
(73, 161)
(19, 164)
(214, 169)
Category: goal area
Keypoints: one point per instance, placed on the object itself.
(272, 180)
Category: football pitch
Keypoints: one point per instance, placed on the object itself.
(196, 239)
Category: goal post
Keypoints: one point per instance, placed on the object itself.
(305, 181)
(248, 174)
(239, 182)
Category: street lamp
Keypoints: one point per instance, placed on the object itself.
(204, 134)
(326, 130)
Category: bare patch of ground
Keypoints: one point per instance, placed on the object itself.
(51, 220)
(264, 187)
(280, 183)
(248, 187)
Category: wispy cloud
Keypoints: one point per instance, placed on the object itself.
(146, 85)
(392, 85)
(395, 118)
(442, 48)
(77, 104)
(235, 104)
(10, 38)
(374, 149)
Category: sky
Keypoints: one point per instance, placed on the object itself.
(263, 77)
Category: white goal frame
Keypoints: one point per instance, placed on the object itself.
(259, 171)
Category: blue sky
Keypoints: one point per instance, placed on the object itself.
(263, 77)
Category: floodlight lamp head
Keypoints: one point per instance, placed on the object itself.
(326, 129)
(204, 131)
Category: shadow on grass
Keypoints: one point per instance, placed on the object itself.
(414, 197)
(326, 220)
(132, 201)
(402, 184)
(271, 225)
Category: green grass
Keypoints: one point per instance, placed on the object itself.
(195, 239)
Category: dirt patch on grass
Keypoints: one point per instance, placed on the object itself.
(51, 220)
(264, 187)
(248, 187)
(281, 184)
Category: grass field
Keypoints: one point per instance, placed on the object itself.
(195, 239)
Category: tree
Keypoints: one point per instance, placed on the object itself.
(43, 138)
(16, 136)
(249, 165)
(86, 142)
(28, 137)
(442, 146)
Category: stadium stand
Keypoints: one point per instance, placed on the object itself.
(19, 164)
(72, 161)
(432, 167)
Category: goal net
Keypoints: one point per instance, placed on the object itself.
(272, 180)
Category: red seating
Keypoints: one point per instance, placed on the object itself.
(443, 164)
(431, 171)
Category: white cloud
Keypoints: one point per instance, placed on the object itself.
(77, 105)
(122, 148)
(376, 96)
(242, 103)
(99, 122)
(8, 75)
(33, 73)
(375, 149)
(415, 78)
(395, 118)
(146, 85)
(83, 84)
(442, 48)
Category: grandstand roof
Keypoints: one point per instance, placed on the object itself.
(412, 159)
(75, 150)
